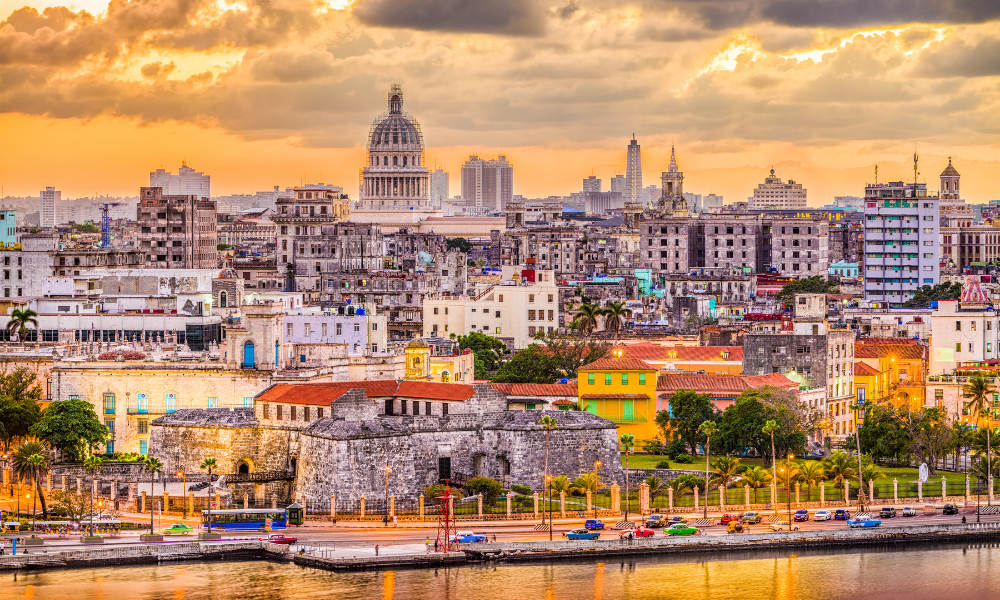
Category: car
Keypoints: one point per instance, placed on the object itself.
(638, 532)
(727, 519)
(783, 526)
(864, 522)
(909, 511)
(752, 517)
(582, 534)
(822, 515)
(177, 529)
(950, 509)
(677, 519)
(594, 524)
(681, 529)
(887, 512)
(655, 521)
(279, 538)
(842, 514)
(467, 537)
(801, 515)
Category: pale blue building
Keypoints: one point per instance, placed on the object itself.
(842, 268)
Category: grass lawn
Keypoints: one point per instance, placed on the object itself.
(649, 461)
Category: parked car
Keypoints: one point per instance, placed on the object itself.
(638, 532)
(801, 515)
(752, 517)
(467, 537)
(864, 522)
(822, 515)
(727, 519)
(930, 509)
(177, 529)
(677, 519)
(950, 509)
(783, 526)
(582, 534)
(887, 512)
(594, 524)
(655, 521)
(736, 527)
(842, 514)
(279, 538)
(909, 511)
(681, 529)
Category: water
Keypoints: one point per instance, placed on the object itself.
(913, 573)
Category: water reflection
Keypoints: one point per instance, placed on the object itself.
(913, 573)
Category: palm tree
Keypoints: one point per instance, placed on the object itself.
(588, 482)
(19, 321)
(811, 473)
(656, 485)
(548, 425)
(871, 472)
(839, 468)
(756, 477)
(628, 443)
(769, 428)
(978, 392)
(615, 314)
(707, 429)
(725, 470)
(154, 466)
(209, 463)
(20, 460)
(586, 319)
(560, 484)
(90, 465)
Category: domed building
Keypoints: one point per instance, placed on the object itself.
(394, 176)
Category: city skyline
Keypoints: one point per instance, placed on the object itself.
(93, 116)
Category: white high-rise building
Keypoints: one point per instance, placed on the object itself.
(187, 182)
(618, 184)
(633, 173)
(591, 184)
(488, 184)
(440, 186)
(775, 193)
(49, 207)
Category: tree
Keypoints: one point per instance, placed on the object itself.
(615, 314)
(549, 424)
(840, 467)
(926, 294)
(153, 466)
(769, 428)
(559, 485)
(210, 464)
(707, 429)
(811, 473)
(530, 365)
(572, 351)
(756, 477)
(978, 390)
(93, 463)
(69, 504)
(628, 444)
(36, 462)
(587, 482)
(688, 410)
(25, 466)
(870, 471)
(686, 482)
(817, 284)
(487, 348)
(656, 486)
(19, 321)
(586, 319)
(459, 243)
(741, 427)
(788, 475)
(489, 488)
(72, 427)
(19, 395)
(724, 471)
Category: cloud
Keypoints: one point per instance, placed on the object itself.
(512, 17)
(157, 70)
(961, 58)
(859, 13)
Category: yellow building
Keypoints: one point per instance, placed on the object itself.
(623, 391)
(454, 367)
(904, 367)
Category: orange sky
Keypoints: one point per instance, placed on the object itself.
(260, 94)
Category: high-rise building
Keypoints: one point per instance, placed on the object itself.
(440, 186)
(394, 176)
(775, 193)
(187, 182)
(487, 183)
(633, 173)
(176, 231)
(591, 184)
(49, 207)
(618, 184)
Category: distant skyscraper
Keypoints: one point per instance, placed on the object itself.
(49, 207)
(775, 193)
(633, 173)
(487, 183)
(591, 184)
(187, 182)
(618, 184)
(440, 186)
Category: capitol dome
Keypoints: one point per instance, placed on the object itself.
(395, 177)
(395, 130)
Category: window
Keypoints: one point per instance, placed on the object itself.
(307, 327)
(278, 412)
(642, 379)
(248, 402)
(109, 404)
(444, 409)
(958, 346)
(291, 329)
(324, 329)
(958, 326)
(143, 399)
(590, 378)
(529, 407)
(624, 378)
(143, 426)
(213, 402)
(607, 379)
(291, 413)
(531, 315)
(340, 329)
(171, 402)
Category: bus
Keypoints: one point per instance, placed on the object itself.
(102, 525)
(251, 519)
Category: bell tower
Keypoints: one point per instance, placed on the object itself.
(949, 183)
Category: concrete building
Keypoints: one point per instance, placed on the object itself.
(187, 182)
(361, 332)
(8, 228)
(617, 184)
(800, 247)
(49, 200)
(775, 193)
(633, 172)
(591, 184)
(440, 186)
(488, 184)
(964, 331)
(901, 241)
(394, 177)
(177, 232)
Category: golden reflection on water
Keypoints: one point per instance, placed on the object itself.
(388, 585)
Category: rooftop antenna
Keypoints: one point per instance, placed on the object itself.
(876, 173)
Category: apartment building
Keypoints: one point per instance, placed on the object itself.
(177, 231)
(800, 247)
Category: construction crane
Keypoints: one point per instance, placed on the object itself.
(106, 222)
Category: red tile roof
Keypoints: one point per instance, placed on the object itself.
(892, 341)
(322, 394)
(719, 384)
(312, 394)
(864, 369)
(613, 396)
(902, 351)
(535, 389)
(433, 390)
(651, 351)
(618, 364)
(562, 402)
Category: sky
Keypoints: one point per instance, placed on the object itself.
(257, 93)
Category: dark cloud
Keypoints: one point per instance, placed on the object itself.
(289, 67)
(27, 20)
(854, 13)
(511, 17)
(568, 11)
(673, 34)
(157, 69)
(958, 58)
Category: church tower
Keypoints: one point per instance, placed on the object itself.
(949, 182)
(672, 182)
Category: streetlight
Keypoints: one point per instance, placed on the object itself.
(26, 498)
(183, 477)
(788, 485)
(385, 519)
(597, 465)
(548, 480)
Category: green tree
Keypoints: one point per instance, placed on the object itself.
(707, 429)
(572, 351)
(26, 467)
(817, 284)
(36, 462)
(587, 317)
(72, 427)
(69, 504)
(560, 484)
(459, 243)
(19, 395)
(549, 424)
(926, 294)
(210, 464)
(531, 365)
(840, 467)
(769, 428)
(811, 473)
(870, 472)
(687, 482)
(587, 482)
(489, 488)
(741, 427)
(93, 463)
(487, 348)
(656, 486)
(19, 321)
(615, 315)
(688, 410)
(627, 441)
(756, 477)
(153, 466)
(725, 470)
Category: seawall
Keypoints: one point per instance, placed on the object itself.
(140, 554)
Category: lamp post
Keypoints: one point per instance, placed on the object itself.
(385, 519)
(183, 477)
(788, 485)
(597, 465)
(26, 498)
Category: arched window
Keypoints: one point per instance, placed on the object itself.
(223, 298)
(404, 161)
(445, 376)
(244, 468)
(395, 161)
(385, 161)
